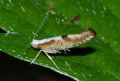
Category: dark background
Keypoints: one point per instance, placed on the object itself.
(12, 69)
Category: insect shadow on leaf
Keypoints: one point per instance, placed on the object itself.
(74, 52)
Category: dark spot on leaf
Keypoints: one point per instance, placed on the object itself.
(74, 19)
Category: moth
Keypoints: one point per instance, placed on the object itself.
(54, 45)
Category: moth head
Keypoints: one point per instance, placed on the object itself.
(35, 43)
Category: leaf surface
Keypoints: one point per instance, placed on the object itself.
(97, 60)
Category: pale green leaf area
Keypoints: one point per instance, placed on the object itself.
(97, 60)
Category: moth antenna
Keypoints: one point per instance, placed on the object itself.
(65, 51)
(35, 57)
(51, 60)
(36, 33)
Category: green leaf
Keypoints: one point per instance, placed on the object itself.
(97, 60)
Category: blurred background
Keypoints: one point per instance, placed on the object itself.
(12, 69)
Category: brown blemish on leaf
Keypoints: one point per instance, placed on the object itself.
(50, 7)
(74, 19)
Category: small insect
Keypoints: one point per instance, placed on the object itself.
(56, 44)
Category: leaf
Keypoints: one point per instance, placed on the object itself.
(97, 60)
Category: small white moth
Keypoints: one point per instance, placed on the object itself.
(56, 44)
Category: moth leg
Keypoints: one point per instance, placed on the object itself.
(36, 57)
(50, 59)
(65, 51)
(68, 49)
